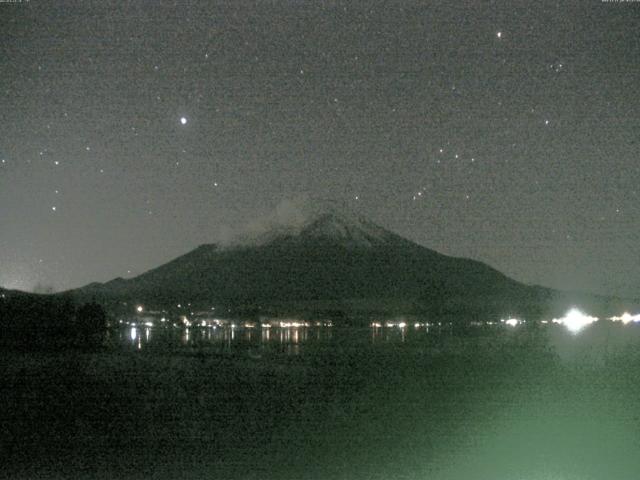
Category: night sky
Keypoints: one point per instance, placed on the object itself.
(506, 132)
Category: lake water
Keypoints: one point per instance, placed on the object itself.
(260, 340)
(329, 403)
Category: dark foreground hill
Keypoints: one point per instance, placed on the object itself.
(33, 322)
(335, 263)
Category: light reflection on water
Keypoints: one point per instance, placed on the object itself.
(288, 340)
(526, 415)
(529, 415)
(226, 338)
(596, 341)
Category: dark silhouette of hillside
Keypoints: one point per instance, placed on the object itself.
(34, 322)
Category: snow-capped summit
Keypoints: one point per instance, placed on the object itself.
(346, 228)
(320, 221)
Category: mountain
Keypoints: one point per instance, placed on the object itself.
(335, 262)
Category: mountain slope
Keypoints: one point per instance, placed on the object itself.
(335, 261)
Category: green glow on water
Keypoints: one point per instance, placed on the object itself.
(511, 403)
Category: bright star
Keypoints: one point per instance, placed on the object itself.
(183, 120)
(499, 34)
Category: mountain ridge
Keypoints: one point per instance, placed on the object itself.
(335, 261)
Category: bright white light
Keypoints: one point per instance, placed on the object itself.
(294, 324)
(402, 325)
(575, 320)
(183, 120)
(139, 309)
(512, 322)
(626, 317)
(133, 333)
(149, 324)
(499, 34)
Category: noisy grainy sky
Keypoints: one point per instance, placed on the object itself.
(507, 132)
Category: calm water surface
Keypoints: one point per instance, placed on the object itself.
(329, 403)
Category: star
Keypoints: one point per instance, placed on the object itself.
(183, 120)
(53, 208)
(499, 34)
